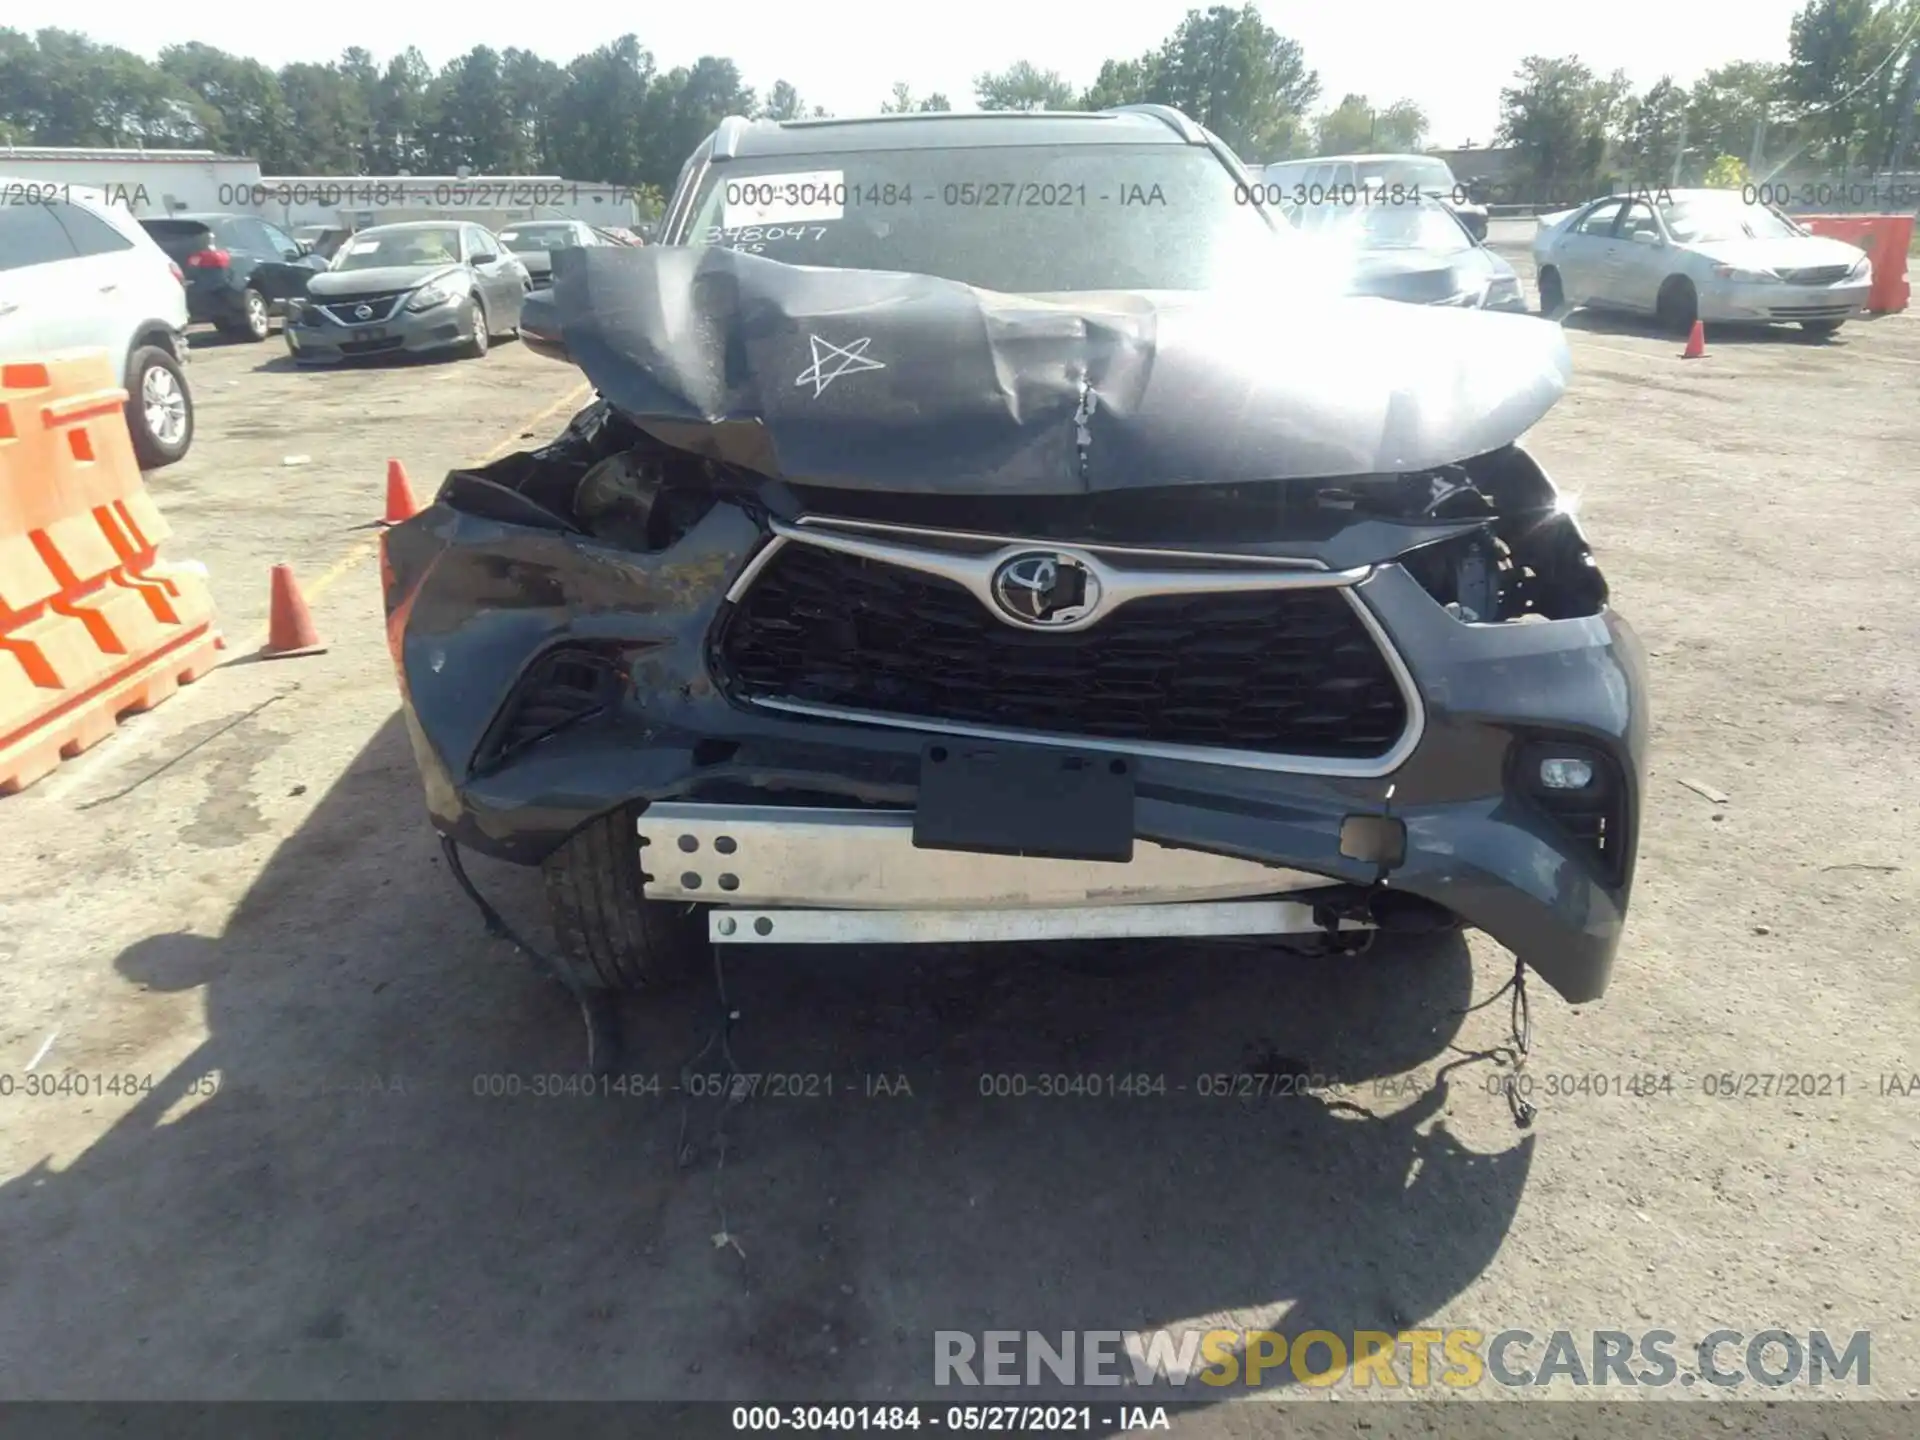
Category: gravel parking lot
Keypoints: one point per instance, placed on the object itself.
(324, 1190)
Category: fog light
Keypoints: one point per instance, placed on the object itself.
(1566, 774)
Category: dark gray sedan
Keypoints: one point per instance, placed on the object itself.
(403, 289)
(1417, 250)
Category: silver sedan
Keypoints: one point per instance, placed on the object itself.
(1686, 255)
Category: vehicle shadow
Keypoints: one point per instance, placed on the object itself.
(379, 1176)
(284, 364)
(1606, 322)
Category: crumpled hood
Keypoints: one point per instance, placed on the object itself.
(874, 380)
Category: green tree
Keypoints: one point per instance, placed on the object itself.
(401, 116)
(782, 103)
(1401, 128)
(902, 102)
(1022, 86)
(1831, 57)
(1738, 109)
(1653, 128)
(471, 121)
(1727, 172)
(244, 111)
(1560, 118)
(682, 108)
(1346, 129)
(1229, 70)
(532, 85)
(600, 116)
(329, 118)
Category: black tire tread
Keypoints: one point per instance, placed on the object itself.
(614, 935)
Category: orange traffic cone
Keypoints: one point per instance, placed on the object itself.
(289, 627)
(400, 505)
(1696, 343)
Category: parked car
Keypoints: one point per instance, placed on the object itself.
(1686, 255)
(78, 272)
(1419, 251)
(534, 241)
(905, 540)
(228, 261)
(420, 286)
(1341, 179)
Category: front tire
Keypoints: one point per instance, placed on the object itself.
(159, 407)
(1678, 305)
(1552, 294)
(616, 938)
(476, 348)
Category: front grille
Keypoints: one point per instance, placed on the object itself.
(1817, 275)
(1280, 672)
(340, 312)
(1417, 287)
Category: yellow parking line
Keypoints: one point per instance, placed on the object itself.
(363, 548)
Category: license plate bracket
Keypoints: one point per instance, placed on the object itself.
(994, 799)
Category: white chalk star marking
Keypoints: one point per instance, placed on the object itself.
(831, 361)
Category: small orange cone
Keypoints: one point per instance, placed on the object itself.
(290, 629)
(400, 506)
(1696, 343)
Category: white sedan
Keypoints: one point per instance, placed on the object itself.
(1686, 255)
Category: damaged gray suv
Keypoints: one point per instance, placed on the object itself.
(988, 529)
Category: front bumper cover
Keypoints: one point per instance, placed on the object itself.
(473, 602)
(313, 340)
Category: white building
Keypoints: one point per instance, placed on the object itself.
(147, 182)
(490, 200)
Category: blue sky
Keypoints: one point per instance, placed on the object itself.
(845, 54)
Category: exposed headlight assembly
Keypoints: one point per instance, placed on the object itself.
(439, 292)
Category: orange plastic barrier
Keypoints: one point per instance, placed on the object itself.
(92, 625)
(1885, 238)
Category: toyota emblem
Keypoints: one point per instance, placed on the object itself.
(1043, 590)
(363, 312)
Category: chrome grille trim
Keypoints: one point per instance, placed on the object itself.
(975, 573)
(383, 310)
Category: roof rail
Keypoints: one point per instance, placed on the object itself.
(726, 139)
(1180, 124)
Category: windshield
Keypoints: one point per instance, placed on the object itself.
(1025, 219)
(1427, 226)
(1428, 175)
(1703, 219)
(425, 245)
(540, 237)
